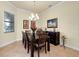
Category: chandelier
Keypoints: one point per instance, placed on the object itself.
(34, 16)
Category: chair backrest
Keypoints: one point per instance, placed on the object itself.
(23, 35)
(28, 36)
(39, 32)
(42, 39)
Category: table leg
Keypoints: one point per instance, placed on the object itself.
(32, 50)
(48, 45)
(32, 47)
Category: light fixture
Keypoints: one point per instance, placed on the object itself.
(34, 16)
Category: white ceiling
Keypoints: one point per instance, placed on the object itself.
(35, 6)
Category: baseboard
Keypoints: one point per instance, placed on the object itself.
(10, 42)
(77, 49)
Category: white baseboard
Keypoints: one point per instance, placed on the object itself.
(77, 49)
(7, 43)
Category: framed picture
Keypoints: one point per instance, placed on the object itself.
(52, 23)
(25, 24)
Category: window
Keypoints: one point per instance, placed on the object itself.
(8, 22)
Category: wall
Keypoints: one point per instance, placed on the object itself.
(5, 38)
(20, 15)
(68, 21)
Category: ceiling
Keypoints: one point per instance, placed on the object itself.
(35, 6)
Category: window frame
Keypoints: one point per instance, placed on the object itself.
(11, 22)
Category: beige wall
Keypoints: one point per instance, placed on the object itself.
(20, 15)
(6, 37)
(68, 21)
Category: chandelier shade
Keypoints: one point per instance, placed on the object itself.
(34, 16)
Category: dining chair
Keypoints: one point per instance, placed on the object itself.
(28, 37)
(24, 39)
(41, 42)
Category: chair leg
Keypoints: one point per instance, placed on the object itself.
(45, 48)
(25, 44)
(38, 51)
(28, 48)
(23, 41)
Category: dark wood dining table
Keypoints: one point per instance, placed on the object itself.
(32, 44)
